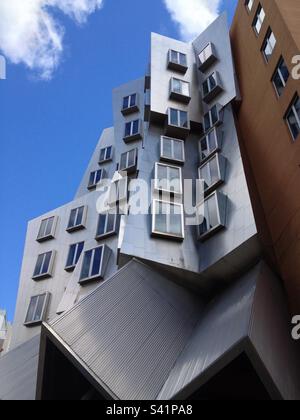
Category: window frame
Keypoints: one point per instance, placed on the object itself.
(279, 72)
(112, 232)
(51, 235)
(217, 123)
(266, 43)
(162, 234)
(213, 91)
(73, 266)
(80, 226)
(131, 109)
(257, 18)
(93, 186)
(220, 166)
(172, 159)
(168, 191)
(177, 65)
(133, 136)
(249, 8)
(128, 168)
(221, 223)
(49, 273)
(180, 96)
(217, 136)
(46, 297)
(178, 118)
(291, 109)
(106, 159)
(99, 276)
(209, 59)
(114, 203)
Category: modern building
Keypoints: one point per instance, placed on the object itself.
(5, 333)
(182, 299)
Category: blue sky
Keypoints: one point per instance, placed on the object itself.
(49, 128)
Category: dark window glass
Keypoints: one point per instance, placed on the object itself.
(183, 119)
(281, 77)
(174, 117)
(101, 225)
(135, 127)
(85, 272)
(293, 118)
(128, 129)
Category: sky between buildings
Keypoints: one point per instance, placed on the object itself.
(49, 129)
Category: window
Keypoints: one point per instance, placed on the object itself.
(280, 77)
(172, 149)
(249, 4)
(47, 229)
(118, 192)
(128, 161)
(132, 131)
(269, 45)
(36, 313)
(106, 154)
(293, 118)
(178, 118)
(75, 252)
(168, 219)
(212, 172)
(44, 265)
(77, 219)
(212, 118)
(207, 57)
(95, 178)
(177, 61)
(259, 19)
(180, 90)
(93, 264)
(168, 178)
(211, 215)
(209, 144)
(106, 224)
(211, 87)
(130, 104)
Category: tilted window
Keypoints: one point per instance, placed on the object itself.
(209, 144)
(106, 154)
(207, 57)
(44, 266)
(269, 45)
(212, 172)
(249, 4)
(211, 87)
(128, 161)
(212, 118)
(94, 264)
(168, 219)
(47, 229)
(293, 118)
(172, 149)
(77, 219)
(95, 178)
(280, 77)
(75, 252)
(211, 213)
(259, 19)
(37, 309)
(168, 178)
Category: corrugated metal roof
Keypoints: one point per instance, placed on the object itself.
(18, 372)
(131, 330)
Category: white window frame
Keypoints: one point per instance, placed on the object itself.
(258, 18)
(50, 267)
(156, 183)
(154, 214)
(249, 4)
(292, 109)
(106, 158)
(181, 90)
(93, 185)
(178, 118)
(206, 54)
(212, 124)
(207, 164)
(41, 235)
(73, 266)
(216, 135)
(107, 233)
(211, 88)
(129, 101)
(96, 276)
(46, 297)
(131, 128)
(267, 43)
(172, 140)
(178, 63)
(215, 228)
(114, 201)
(127, 160)
(83, 222)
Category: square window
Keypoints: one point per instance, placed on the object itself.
(94, 264)
(37, 310)
(47, 229)
(77, 219)
(269, 45)
(168, 220)
(132, 131)
(128, 161)
(280, 77)
(130, 104)
(177, 61)
(107, 224)
(44, 265)
(180, 90)
(105, 154)
(168, 179)
(178, 118)
(172, 150)
(75, 252)
(293, 118)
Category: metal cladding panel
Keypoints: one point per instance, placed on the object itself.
(224, 325)
(130, 331)
(18, 372)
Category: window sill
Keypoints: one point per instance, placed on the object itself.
(99, 238)
(177, 132)
(175, 96)
(210, 233)
(131, 110)
(83, 282)
(42, 277)
(45, 238)
(171, 160)
(33, 324)
(75, 228)
(203, 67)
(132, 138)
(168, 236)
(213, 94)
(180, 68)
(70, 269)
(213, 187)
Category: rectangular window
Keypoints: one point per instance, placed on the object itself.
(77, 219)
(209, 145)
(211, 87)
(37, 309)
(118, 192)
(210, 216)
(168, 178)
(212, 118)
(207, 57)
(249, 4)
(75, 252)
(178, 118)
(47, 229)
(168, 219)
(132, 131)
(180, 90)
(280, 77)
(92, 265)
(177, 61)
(44, 265)
(293, 118)
(107, 224)
(129, 101)
(259, 20)
(95, 178)
(269, 45)
(212, 172)
(172, 149)
(128, 161)
(105, 154)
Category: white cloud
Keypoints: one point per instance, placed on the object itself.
(193, 16)
(30, 34)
